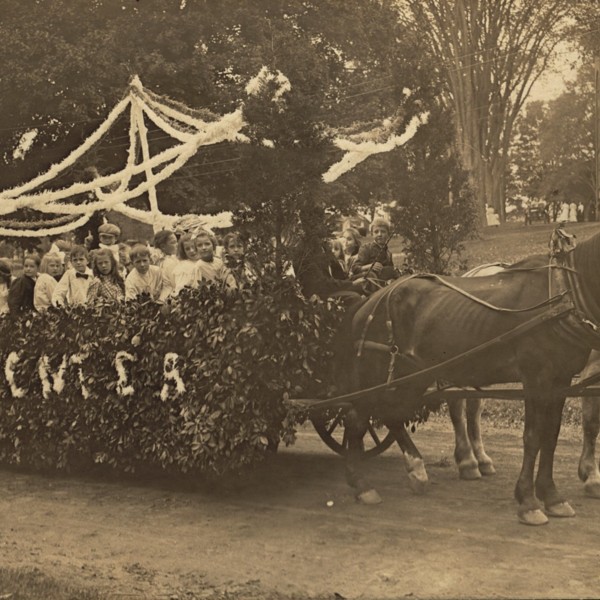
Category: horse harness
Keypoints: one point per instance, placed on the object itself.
(574, 322)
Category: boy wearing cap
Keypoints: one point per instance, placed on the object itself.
(109, 234)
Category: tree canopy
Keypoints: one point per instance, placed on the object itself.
(490, 53)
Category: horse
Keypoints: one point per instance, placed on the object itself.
(419, 322)
(470, 455)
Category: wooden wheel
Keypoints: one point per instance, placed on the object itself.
(331, 429)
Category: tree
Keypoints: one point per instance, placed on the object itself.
(552, 156)
(434, 210)
(490, 53)
(526, 168)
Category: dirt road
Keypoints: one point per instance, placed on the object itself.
(271, 534)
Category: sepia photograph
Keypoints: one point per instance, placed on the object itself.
(299, 299)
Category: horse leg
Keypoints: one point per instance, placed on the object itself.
(463, 452)
(474, 408)
(413, 461)
(530, 509)
(588, 467)
(555, 504)
(355, 425)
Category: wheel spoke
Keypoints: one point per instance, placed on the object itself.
(335, 422)
(374, 435)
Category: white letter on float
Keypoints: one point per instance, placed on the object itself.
(77, 359)
(9, 371)
(123, 389)
(58, 377)
(171, 373)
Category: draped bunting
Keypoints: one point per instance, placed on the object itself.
(187, 127)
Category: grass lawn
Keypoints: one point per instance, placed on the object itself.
(512, 241)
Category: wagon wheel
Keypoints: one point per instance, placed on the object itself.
(331, 429)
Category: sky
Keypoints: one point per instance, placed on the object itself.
(552, 83)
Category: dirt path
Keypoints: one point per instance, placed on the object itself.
(272, 534)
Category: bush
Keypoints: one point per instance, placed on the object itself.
(197, 387)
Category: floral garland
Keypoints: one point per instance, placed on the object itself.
(55, 170)
(5, 231)
(175, 119)
(356, 152)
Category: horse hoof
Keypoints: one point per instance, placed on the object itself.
(369, 497)
(562, 509)
(592, 489)
(487, 469)
(469, 473)
(533, 517)
(417, 484)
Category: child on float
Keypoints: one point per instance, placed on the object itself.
(124, 260)
(50, 272)
(73, 286)
(20, 293)
(165, 254)
(337, 264)
(187, 255)
(234, 258)
(210, 267)
(5, 279)
(107, 284)
(374, 258)
(109, 234)
(352, 242)
(146, 278)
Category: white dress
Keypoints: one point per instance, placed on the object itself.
(183, 275)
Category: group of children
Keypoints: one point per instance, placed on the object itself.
(371, 260)
(77, 275)
(82, 276)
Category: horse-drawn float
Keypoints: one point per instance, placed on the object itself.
(427, 338)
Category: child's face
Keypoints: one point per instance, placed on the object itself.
(348, 243)
(205, 248)
(79, 263)
(189, 249)
(107, 239)
(54, 268)
(124, 256)
(235, 248)
(380, 234)
(170, 245)
(103, 265)
(141, 264)
(30, 268)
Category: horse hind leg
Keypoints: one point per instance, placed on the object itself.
(464, 456)
(484, 462)
(355, 425)
(588, 467)
(413, 461)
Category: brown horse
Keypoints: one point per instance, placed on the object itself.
(419, 322)
(470, 454)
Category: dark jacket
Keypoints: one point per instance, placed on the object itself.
(20, 295)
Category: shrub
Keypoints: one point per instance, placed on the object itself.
(197, 387)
